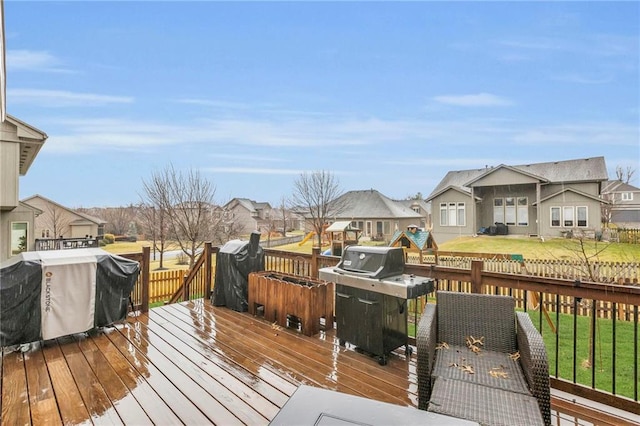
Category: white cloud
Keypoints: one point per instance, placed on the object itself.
(475, 100)
(33, 61)
(61, 98)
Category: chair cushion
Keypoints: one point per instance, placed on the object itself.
(494, 369)
(483, 404)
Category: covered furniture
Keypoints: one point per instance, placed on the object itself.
(54, 293)
(479, 359)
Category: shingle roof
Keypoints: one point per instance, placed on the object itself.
(371, 203)
(581, 170)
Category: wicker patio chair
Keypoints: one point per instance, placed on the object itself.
(481, 360)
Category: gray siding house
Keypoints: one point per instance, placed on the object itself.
(623, 209)
(248, 215)
(540, 199)
(377, 215)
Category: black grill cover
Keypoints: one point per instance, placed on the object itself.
(235, 261)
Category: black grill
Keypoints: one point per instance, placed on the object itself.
(371, 298)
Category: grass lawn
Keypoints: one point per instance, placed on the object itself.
(121, 247)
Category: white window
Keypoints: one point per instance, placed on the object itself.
(452, 214)
(582, 216)
(523, 211)
(568, 219)
(498, 210)
(627, 196)
(443, 214)
(19, 237)
(461, 215)
(555, 216)
(510, 210)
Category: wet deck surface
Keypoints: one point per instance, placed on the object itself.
(193, 364)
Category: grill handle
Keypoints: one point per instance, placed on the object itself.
(367, 302)
(346, 296)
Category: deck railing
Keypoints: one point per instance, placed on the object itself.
(591, 329)
(43, 244)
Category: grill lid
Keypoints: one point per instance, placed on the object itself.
(371, 262)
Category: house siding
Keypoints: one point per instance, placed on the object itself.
(19, 214)
(446, 233)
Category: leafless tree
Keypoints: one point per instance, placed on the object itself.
(315, 194)
(56, 219)
(154, 223)
(118, 219)
(187, 199)
(625, 175)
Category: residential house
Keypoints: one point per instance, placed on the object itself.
(422, 207)
(540, 199)
(58, 221)
(19, 146)
(248, 215)
(623, 209)
(377, 215)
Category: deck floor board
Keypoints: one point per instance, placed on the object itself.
(192, 363)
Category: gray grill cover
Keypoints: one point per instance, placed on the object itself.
(36, 286)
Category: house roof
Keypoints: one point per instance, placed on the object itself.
(84, 217)
(370, 203)
(618, 186)
(581, 170)
(30, 139)
(248, 204)
(410, 203)
(575, 191)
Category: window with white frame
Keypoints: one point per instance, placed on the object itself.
(498, 210)
(19, 237)
(452, 214)
(627, 196)
(567, 216)
(522, 212)
(555, 216)
(510, 210)
(582, 216)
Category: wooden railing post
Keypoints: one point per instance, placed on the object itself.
(207, 264)
(315, 252)
(144, 271)
(476, 276)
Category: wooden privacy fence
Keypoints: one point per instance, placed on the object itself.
(163, 284)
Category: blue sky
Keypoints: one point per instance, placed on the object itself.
(386, 95)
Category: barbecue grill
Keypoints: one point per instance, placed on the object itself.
(371, 298)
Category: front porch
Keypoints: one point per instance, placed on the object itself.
(193, 363)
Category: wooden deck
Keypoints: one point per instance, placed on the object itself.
(194, 364)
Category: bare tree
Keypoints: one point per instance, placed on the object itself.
(154, 223)
(315, 193)
(187, 199)
(625, 175)
(56, 219)
(118, 219)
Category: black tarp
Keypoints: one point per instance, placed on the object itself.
(234, 262)
(25, 289)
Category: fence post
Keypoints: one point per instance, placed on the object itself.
(146, 251)
(207, 265)
(315, 252)
(476, 276)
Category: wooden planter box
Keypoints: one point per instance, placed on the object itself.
(283, 297)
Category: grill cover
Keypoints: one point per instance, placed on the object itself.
(235, 260)
(48, 294)
(372, 262)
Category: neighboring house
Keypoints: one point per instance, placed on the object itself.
(540, 199)
(423, 208)
(248, 215)
(58, 221)
(377, 215)
(623, 209)
(19, 146)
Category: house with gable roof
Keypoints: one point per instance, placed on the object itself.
(377, 215)
(623, 209)
(539, 199)
(58, 221)
(248, 215)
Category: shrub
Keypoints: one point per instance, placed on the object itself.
(109, 238)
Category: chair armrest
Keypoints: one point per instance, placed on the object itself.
(426, 336)
(535, 365)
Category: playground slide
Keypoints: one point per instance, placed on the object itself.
(307, 238)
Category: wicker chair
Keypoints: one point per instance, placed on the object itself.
(480, 360)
